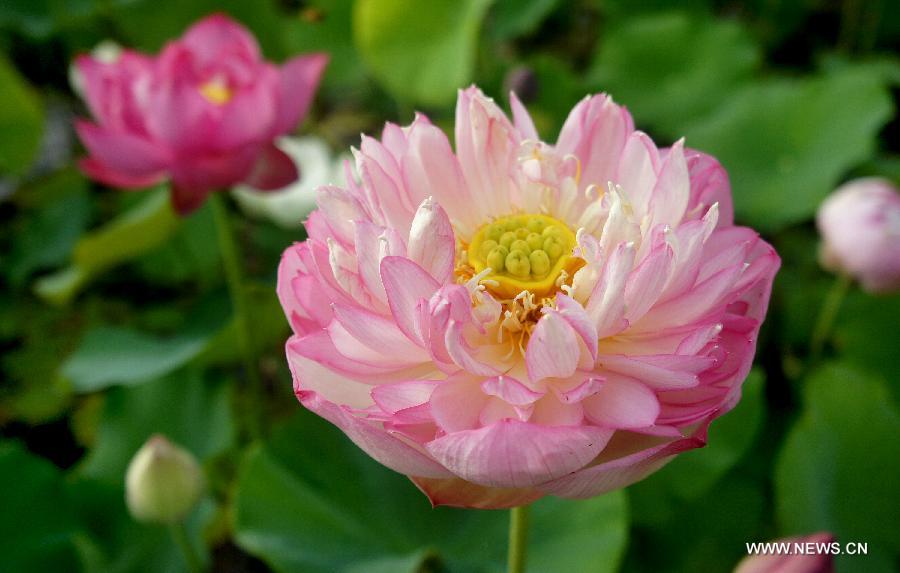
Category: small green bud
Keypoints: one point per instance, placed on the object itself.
(540, 263)
(496, 258)
(517, 264)
(507, 238)
(163, 483)
(520, 245)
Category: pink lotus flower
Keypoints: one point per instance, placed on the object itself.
(204, 113)
(860, 227)
(516, 318)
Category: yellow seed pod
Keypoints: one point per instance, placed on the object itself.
(496, 259)
(517, 264)
(535, 241)
(540, 263)
(520, 245)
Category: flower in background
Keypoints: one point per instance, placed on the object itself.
(860, 228)
(516, 318)
(288, 206)
(163, 483)
(204, 113)
(818, 560)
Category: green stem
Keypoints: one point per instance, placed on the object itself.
(827, 314)
(180, 536)
(235, 277)
(518, 539)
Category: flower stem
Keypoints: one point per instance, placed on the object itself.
(518, 539)
(827, 314)
(234, 276)
(180, 536)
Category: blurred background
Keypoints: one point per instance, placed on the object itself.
(114, 317)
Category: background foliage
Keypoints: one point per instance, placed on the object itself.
(114, 323)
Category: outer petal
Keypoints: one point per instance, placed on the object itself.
(218, 36)
(637, 171)
(486, 144)
(617, 468)
(300, 78)
(128, 156)
(114, 92)
(455, 492)
(101, 172)
(429, 168)
(709, 185)
(622, 403)
(374, 440)
(595, 132)
(521, 118)
(494, 456)
(273, 170)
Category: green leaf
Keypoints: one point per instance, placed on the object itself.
(706, 534)
(137, 231)
(557, 89)
(838, 468)
(190, 255)
(38, 524)
(513, 18)
(674, 67)
(116, 543)
(51, 231)
(187, 408)
(786, 143)
(21, 121)
(149, 24)
(326, 26)
(865, 334)
(309, 500)
(112, 355)
(269, 328)
(692, 474)
(422, 56)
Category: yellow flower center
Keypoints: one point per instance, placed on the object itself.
(216, 91)
(523, 253)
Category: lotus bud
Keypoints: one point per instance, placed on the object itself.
(808, 554)
(860, 228)
(163, 483)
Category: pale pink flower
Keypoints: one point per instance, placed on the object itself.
(204, 113)
(860, 228)
(806, 554)
(572, 373)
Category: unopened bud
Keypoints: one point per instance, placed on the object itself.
(523, 81)
(860, 228)
(163, 483)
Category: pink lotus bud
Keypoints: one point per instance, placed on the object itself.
(203, 113)
(511, 319)
(163, 482)
(807, 554)
(860, 227)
